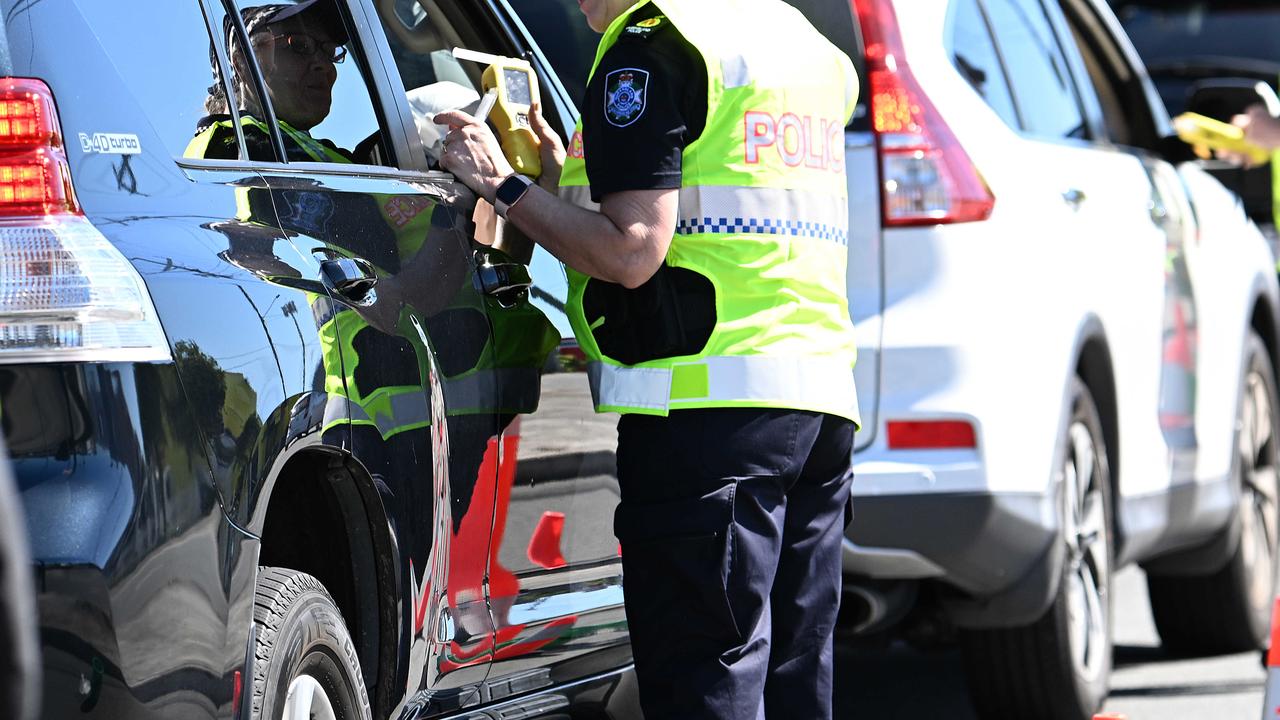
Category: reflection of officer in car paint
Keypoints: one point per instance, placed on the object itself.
(374, 355)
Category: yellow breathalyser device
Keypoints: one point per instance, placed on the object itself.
(517, 89)
(1197, 129)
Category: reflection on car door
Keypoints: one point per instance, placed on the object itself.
(555, 578)
(557, 582)
(563, 615)
(409, 351)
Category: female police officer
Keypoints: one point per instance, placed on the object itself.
(707, 289)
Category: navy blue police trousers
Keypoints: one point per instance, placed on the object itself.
(731, 523)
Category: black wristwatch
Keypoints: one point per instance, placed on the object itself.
(509, 192)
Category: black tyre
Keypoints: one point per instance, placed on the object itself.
(305, 664)
(1230, 610)
(19, 648)
(1059, 667)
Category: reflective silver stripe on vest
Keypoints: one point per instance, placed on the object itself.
(505, 390)
(771, 211)
(818, 383)
(473, 393)
(629, 387)
(336, 410)
(735, 71)
(408, 409)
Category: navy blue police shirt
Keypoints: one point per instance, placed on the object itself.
(645, 103)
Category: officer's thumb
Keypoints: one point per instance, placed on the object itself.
(540, 127)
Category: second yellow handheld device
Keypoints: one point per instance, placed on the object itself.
(517, 90)
(1196, 129)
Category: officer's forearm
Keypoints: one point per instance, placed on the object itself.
(624, 243)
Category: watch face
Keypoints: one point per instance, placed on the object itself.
(511, 189)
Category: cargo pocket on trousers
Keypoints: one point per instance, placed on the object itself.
(678, 568)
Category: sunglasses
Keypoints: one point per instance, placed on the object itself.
(305, 45)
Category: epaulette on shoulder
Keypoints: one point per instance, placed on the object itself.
(646, 28)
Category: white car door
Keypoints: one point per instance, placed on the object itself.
(1110, 267)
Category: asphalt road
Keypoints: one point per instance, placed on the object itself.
(1146, 685)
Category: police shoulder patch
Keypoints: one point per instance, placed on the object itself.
(625, 91)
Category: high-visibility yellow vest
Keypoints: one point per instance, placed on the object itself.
(763, 216)
(318, 151)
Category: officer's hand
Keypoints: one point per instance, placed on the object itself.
(473, 154)
(549, 147)
(1235, 158)
(1259, 127)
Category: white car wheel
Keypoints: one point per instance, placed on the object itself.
(1229, 610)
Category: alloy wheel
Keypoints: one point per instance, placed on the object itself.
(307, 700)
(1088, 554)
(1257, 463)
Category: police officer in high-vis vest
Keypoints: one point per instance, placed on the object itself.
(707, 289)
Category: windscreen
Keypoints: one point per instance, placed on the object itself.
(1171, 30)
(1184, 41)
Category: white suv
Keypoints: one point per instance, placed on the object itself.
(1068, 337)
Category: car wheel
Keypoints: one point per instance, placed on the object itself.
(1059, 667)
(305, 665)
(1230, 610)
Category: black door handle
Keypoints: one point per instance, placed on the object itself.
(507, 282)
(352, 278)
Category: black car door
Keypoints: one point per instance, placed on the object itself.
(555, 580)
(409, 351)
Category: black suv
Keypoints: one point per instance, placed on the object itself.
(290, 429)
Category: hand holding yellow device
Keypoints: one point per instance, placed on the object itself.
(1201, 130)
(517, 89)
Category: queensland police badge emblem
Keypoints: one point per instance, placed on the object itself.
(624, 95)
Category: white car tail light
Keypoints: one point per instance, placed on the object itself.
(66, 293)
(928, 179)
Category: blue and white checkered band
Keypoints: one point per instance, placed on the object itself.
(625, 91)
(762, 226)
(763, 211)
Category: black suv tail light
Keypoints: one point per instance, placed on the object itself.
(66, 293)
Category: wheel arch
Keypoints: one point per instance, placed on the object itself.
(1262, 320)
(1034, 593)
(323, 515)
(1094, 368)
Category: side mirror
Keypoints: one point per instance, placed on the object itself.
(1224, 98)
